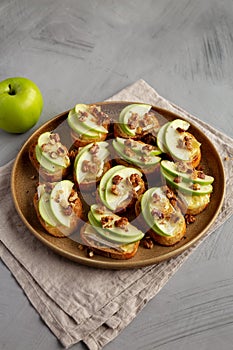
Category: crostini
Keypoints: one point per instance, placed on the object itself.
(110, 235)
(137, 153)
(164, 222)
(120, 187)
(91, 163)
(58, 207)
(135, 121)
(50, 157)
(88, 123)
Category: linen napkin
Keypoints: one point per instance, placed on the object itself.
(75, 301)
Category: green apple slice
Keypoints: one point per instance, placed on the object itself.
(59, 195)
(136, 158)
(112, 201)
(161, 138)
(45, 210)
(171, 168)
(140, 109)
(46, 164)
(123, 237)
(164, 226)
(190, 188)
(104, 180)
(172, 137)
(79, 127)
(137, 146)
(62, 161)
(103, 153)
(132, 231)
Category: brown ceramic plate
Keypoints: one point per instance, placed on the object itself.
(25, 179)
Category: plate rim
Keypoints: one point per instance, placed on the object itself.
(109, 263)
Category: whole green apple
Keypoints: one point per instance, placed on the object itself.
(21, 104)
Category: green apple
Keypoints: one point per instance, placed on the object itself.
(21, 104)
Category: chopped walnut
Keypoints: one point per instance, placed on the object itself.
(73, 196)
(68, 210)
(195, 187)
(189, 219)
(106, 221)
(85, 166)
(147, 243)
(200, 175)
(116, 179)
(169, 193)
(55, 137)
(177, 179)
(147, 149)
(133, 121)
(122, 223)
(135, 180)
(156, 197)
(94, 148)
(128, 152)
(115, 190)
(157, 214)
(83, 115)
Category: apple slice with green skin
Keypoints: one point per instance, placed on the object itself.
(161, 138)
(140, 109)
(190, 188)
(123, 238)
(61, 161)
(45, 210)
(104, 180)
(114, 202)
(47, 165)
(132, 231)
(86, 125)
(137, 146)
(172, 137)
(164, 226)
(102, 153)
(60, 194)
(79, 127)
(171, 168)
(136, 158)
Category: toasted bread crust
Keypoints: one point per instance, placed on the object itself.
(47, 176)
(108, 252)
(57, 231)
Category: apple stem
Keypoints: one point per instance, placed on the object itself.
(11, 91)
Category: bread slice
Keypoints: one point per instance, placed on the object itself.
(106, 248)
(43, 173)
(81, 140)
(59, 230)
(156, 237)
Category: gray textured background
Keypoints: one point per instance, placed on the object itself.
(86, 51)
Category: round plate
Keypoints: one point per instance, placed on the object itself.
(25, 179)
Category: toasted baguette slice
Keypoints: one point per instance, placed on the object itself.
(43, 173)
(59, 230)
(162, 240)
(81, 141)
(105, 248)
(193, 205)
(118, 132)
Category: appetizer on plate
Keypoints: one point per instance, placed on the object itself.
(109, 234)
(137, 153)
(50, 157)
(174, 140)
(90, 164)
(120, 187)
(135, 121)
(165, 222)
(58, 207)
(88, 123)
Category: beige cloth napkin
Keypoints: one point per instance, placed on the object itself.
(80, 303)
